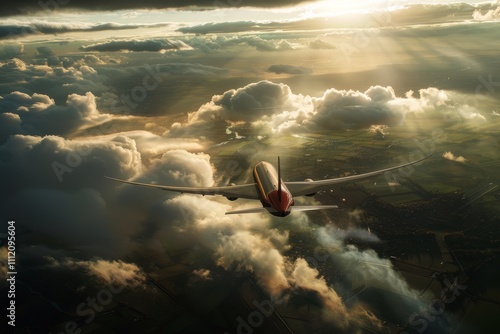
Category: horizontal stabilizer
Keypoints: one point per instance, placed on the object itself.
(251, 210)
(312, 207)
(292, 208)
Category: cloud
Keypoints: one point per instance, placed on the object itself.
(137, 45)
(490, 14)
(204, 274)
(150, 144)
(220, 27)
(351, 109)
(249, 103)
(44, 51)
(274, 108)
(249, 244)
(57, 82)
(247, 251)
(289, 69)
(261, 26)
(27, 7)
(65, 165)
(257, 42)
(115, 272)
(12, 51)
(39, 115)
(320, 44)
(78, 218)
(450, 156)
(37, 27)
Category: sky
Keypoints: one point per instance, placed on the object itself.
(144, 91)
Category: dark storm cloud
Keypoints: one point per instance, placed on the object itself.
(289, 69)
(137, 45)
(43, 27)
(33, 6)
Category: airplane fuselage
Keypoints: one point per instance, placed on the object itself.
(273, 193)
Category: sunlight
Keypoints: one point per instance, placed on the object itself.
(335, 8)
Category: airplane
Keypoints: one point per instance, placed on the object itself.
(276, 196)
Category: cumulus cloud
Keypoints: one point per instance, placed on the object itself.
(248, 243)
(249, 103)
(259, 43)
(275, 108)
(251, 252)
(12, 51)
(65, 165)
(39, 115)
(490, 14)
(320, 44)
(289, 69)
(62, 182)
(211, 44)
(114, 272)
(150, 144)
(57, 82)
(450, 156)
(138, 45)
(204, 274)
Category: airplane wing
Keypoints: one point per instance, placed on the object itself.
(310, 187)
(238, 191)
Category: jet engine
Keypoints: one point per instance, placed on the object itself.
(232, 198)
(312, 194)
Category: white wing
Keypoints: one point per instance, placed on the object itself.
(239, 191)
(310, 187)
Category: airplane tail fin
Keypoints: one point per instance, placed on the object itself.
(279, 180)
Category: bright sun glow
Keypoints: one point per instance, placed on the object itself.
(334, 8)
